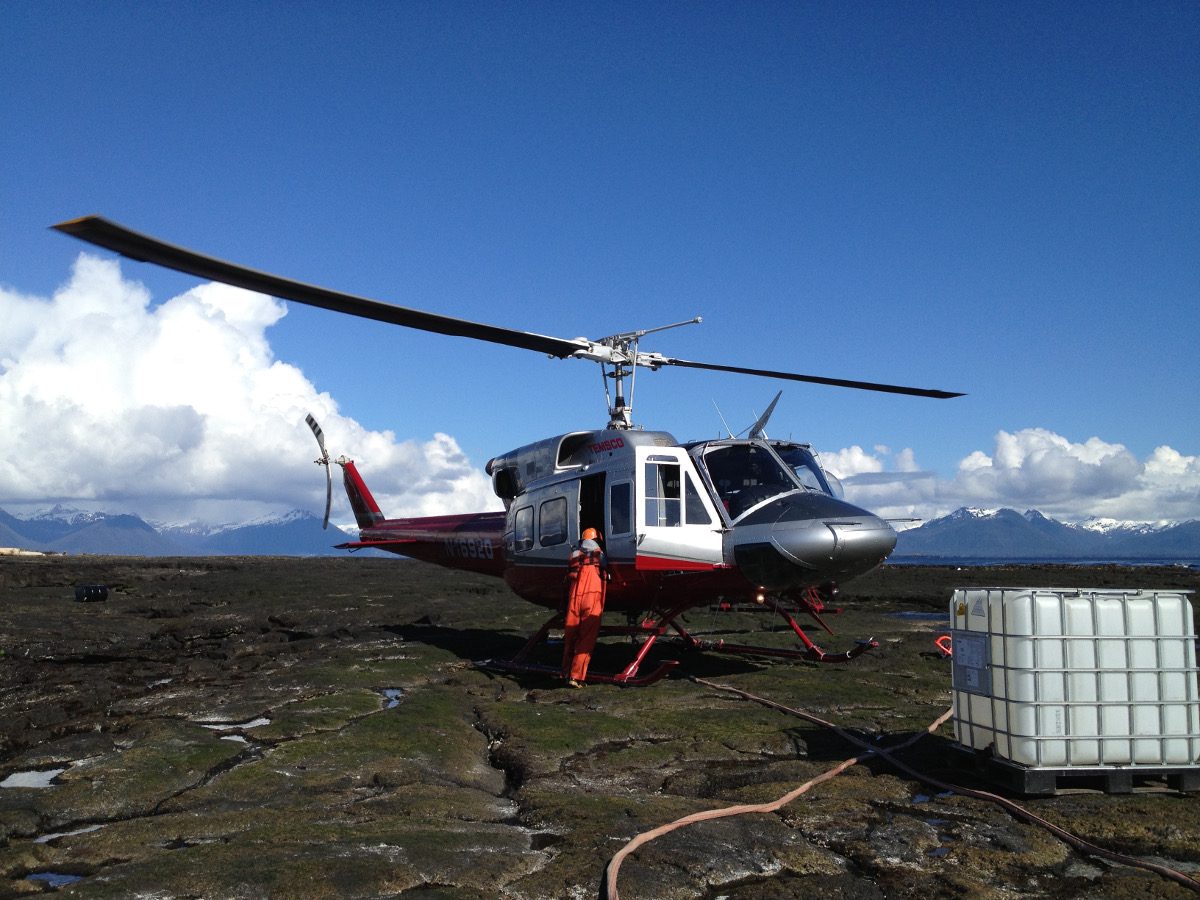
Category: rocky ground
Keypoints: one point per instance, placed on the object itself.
(309, 728)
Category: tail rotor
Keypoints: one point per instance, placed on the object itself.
(322, 460)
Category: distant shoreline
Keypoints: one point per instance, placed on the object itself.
(984, 561)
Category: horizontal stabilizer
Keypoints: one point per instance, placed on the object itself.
(378, 545)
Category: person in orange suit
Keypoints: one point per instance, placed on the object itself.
(587, 578)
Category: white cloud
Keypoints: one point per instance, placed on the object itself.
(1037, 468)
(1030, 469)
(851, 461)
(182, 411)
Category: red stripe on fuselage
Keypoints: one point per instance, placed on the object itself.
(665, 564)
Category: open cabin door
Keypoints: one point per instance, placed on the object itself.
(677, 526)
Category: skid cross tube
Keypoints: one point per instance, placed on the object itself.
(651, 629)
(627, 676)
(811, 651)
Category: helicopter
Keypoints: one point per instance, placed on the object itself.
(683, 524)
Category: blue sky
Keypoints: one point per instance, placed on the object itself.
(996, 198)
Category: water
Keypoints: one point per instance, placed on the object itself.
(54, 879)
(32, 779)
(47, 838)
(975, 561)
(235, 726)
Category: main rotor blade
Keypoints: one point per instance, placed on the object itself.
(111, 236)
(814, 379)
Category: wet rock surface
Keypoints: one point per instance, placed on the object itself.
(318, 727)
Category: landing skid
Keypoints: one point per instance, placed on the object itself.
(650, 631)
(627, 676)
(811, 652)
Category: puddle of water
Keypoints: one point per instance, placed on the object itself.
(47, 838)
(33, 779)
(235, 726)
(179, 843)
(939, 852)
(925, 798)
(540, 840)
(392, 695)
(54, 879)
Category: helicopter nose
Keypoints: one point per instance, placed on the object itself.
(811, 538)
(859, 543)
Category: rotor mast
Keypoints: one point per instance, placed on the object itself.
(619, 359)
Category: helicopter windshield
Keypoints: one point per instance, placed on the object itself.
(804, 466)
(745, 475)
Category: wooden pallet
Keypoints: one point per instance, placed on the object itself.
(1046, 782)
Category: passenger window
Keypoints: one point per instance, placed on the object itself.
(552, 522)
(695, 511)
(662, 494)
(523, 529)
(620, 509)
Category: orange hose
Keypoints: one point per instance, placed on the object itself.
(614, 864)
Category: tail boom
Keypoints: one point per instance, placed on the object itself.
(474, 541)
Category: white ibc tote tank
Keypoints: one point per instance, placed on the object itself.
(1063, 677)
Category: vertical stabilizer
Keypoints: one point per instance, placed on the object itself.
(366, 510)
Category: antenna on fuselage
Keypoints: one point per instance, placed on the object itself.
(728, 430)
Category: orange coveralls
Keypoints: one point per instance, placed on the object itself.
(585, 605)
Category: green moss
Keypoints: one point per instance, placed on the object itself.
(162, 759)
(479, 784)
(322, 713)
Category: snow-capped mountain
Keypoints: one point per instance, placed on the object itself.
(1007, 534)
(208, 529)
(296, 533)
(1117, 527)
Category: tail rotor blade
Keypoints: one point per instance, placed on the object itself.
(318, 434)
(322, 461)
(328, 496)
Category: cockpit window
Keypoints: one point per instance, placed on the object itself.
(804, 466)
(745, 475)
